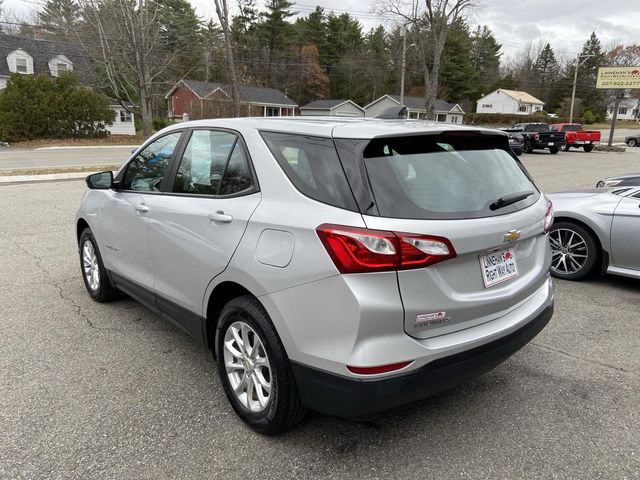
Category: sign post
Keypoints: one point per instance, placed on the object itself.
(620, 78)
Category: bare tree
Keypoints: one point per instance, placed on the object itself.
(222, 10)
(125, 42)
(429, 22)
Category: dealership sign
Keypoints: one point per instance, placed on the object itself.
(618, 77)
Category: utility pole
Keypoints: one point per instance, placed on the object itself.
(575, 80)
(614, 119)
(403, 34)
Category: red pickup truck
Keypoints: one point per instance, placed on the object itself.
(575, 136)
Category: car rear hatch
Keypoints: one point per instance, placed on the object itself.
(463, 192)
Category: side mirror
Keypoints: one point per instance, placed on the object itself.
(100, 181)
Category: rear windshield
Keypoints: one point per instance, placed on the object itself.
(430, 177)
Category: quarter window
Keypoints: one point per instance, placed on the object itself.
(214, 163)
(146, 171)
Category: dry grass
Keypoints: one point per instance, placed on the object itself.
(79, 142)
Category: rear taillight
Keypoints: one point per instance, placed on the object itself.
(520, 138)
(548, 218)
(536, 137)
(356, 250)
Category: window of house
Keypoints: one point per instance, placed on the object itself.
(62, 67)
(454, 119)
(622, 111)
(273, 112)
(523, 108)
(487, 105)
(441, 117)
(21, 65)
(125, 116)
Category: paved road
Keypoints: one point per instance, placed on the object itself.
(93, 391)
(59, 157)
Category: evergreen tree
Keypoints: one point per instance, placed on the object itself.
(587, 74)
(458, 77)
(59, 17)
(485, 58)
(181, 35)
(545, 73)
(276, 33)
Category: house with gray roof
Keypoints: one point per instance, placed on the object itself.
(333, 108)
(444, 111)
(32, 56)
(197, 99)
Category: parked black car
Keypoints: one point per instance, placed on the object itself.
(631, 180)
(516, 140)
(538, 136)
(633, 140)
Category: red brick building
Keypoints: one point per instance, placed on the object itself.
(213, 100)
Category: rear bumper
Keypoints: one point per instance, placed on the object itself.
(346, 397)
(543, 145)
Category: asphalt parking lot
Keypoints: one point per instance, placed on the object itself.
(112, 391)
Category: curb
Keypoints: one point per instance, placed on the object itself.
(13, 179)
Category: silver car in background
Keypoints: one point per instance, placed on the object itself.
(344, 266)
(596, 231)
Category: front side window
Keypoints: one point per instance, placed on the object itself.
(146, 171)
(213, 163)
(443, 177)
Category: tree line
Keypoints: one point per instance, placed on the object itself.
(140, 48)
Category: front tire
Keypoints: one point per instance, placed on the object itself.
(554, 150)
(254, 368)
(94, 274)
(574, 251)
(632, 142)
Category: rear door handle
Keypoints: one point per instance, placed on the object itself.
(142, 208)
(220, 217)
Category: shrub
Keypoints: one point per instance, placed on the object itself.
(159, 123)
(51, 107)
(508, 120)
(589, 117)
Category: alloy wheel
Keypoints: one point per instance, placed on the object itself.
(90, 266)
(569, 251)
(247, 366)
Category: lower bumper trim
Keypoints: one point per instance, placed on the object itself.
(347, 397)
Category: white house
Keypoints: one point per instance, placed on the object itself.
(628, 109)
(444, 111)
(29, 56)
(509, 101)
(334, 108)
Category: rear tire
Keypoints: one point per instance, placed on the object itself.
(254, 368)
(526, 148)
(588, 148)
(94, 275)
(574, 251)
(554, 150)
(632, 142)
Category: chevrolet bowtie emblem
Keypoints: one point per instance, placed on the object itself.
(512, 236)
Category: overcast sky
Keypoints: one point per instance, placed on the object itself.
(565, 24)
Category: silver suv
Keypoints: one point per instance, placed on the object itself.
(339, 265)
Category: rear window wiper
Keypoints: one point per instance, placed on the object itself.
(510, 199)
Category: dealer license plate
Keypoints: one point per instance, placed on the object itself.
(498, 267)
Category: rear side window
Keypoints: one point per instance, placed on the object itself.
(213, 163)
(313, 166)
(432, 177)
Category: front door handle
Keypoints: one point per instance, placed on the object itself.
(142, 208)
(220, 217)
